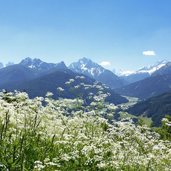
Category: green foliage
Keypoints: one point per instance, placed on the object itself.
(165, 129)
(144, 121)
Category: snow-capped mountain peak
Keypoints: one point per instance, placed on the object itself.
(87, 67)
(148, 70)
(153, 68)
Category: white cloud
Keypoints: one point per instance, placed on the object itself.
(105, 63)
(149, 53)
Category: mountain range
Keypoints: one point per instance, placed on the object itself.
(157, 82)
(144, 83)
(37, 78)
(41, 66)
(142, 73)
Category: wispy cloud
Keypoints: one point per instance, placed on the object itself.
(149, 53)
(105, 63)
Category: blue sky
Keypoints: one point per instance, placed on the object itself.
(113, 31)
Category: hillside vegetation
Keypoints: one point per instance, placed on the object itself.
(155, 108)
(65, 135)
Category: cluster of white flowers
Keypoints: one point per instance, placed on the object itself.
(37, 137)
(94, 91)
(49, 94)
(166, 122)
(102, 96)
(60, 89)
(79, 77)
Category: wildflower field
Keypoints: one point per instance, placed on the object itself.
(65, 135)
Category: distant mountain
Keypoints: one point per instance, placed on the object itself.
(151, 69)
(39, 65)
(9, 64)
(51, 81)
(1, 65)
(157, 82)
(145, 72)
(15, 74)
(166, 69)
(151, 86)
(6, 65)
(135, 77)
(155, 108)
(89, 68)
(27, 69)
(38, 77)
